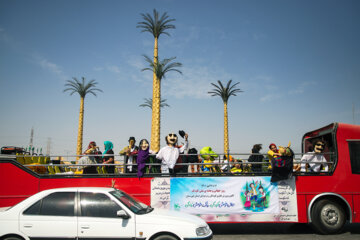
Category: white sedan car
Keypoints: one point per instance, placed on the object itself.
(96, 213)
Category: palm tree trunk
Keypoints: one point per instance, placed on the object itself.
(80, 128)
(155, 119)
(226, 131)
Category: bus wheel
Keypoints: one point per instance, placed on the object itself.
(328, 217)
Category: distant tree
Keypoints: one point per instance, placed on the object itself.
(156, 25)
(82, 88)
(148, 103)
(225, 93)
(160, 69)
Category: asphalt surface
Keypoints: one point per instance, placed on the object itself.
(273, 231)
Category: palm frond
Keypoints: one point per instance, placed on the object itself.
(81, 87)
(148, 103)
(161, 68)
(155, 25)
(225, 92)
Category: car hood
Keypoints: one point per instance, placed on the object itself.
(168, 217)
(3, 209)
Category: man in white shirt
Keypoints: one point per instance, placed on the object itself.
(315, 159)
(170, 153)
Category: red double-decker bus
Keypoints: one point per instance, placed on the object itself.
(326, 199)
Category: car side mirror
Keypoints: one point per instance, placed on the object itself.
(122, 214)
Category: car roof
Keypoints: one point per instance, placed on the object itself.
(95, 189)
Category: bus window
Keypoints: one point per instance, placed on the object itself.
(354, 149)
(328, 150)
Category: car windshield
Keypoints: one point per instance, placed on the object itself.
(134, 205)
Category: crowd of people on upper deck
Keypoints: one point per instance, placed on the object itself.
(173, 158)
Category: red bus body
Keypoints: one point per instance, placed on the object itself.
(341, 186)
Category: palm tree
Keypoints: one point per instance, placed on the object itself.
(148, 103)
(82, 88)
(155, 25)
(160, 69)
(225, 93)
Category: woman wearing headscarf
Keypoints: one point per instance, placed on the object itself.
(91, 150)
(143, 157)
(108, 157)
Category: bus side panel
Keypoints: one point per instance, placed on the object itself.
(138, 188)
(356, 213)
(17, 184)
(302, 208)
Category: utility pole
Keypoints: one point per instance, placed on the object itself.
(48, 147)
(31, 143)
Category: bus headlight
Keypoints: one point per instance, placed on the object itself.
(202, 231)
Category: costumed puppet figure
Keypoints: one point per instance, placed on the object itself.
(282, 164)
(315, 160)
(170, 153)
(208, 156)
(130, 155)
(143, 157)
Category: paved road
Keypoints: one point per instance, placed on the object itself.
(272, 231)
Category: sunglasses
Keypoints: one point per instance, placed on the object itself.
(320, 144)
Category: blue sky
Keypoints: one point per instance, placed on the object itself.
(298, 63)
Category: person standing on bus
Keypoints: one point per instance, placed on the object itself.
(130, 153)
(315, 160)
(143, 157)
(108, 156)
(272, 153)
(170, 153)
(256, 159)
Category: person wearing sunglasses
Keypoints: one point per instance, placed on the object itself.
(315, 161)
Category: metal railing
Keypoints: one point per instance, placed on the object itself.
(219, 166)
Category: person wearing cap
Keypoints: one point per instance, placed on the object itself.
(130, 153)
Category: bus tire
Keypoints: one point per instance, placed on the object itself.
(165, 237)
(328, 217)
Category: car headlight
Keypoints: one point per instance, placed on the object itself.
(203, 231)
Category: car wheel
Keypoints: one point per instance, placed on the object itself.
(12, 238)
(328, 217)
(165, 237)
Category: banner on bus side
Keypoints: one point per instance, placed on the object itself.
(234, 199)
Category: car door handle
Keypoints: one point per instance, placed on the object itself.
(28, 225)
(85, 227)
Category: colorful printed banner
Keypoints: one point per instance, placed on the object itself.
(224, 195)
(231, 199)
